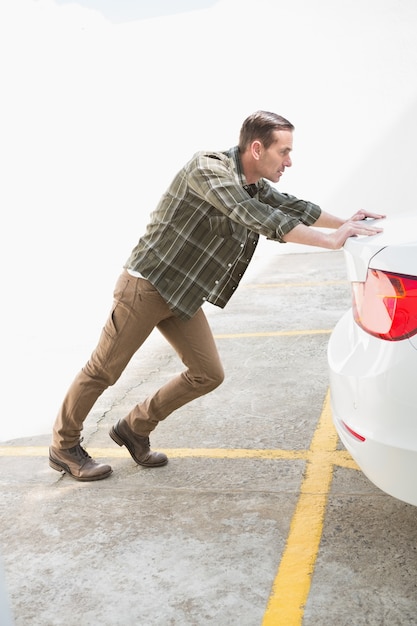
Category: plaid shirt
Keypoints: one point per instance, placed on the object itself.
(202, 235)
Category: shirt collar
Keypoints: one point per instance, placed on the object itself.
(234, 154)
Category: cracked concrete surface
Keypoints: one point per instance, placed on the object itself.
(199, 541)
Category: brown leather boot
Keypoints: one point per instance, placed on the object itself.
(77, 463)
(139, 447)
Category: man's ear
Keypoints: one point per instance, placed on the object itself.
(256, 149)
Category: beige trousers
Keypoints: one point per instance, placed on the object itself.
(137, 310)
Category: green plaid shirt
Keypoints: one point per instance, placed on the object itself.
(203, 233)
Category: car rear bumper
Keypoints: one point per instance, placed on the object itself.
(373, 388)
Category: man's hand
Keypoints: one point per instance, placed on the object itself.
(352, 228)
(363, 215)
(357, 225)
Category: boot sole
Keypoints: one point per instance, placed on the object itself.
(61, 467)
(121, 442)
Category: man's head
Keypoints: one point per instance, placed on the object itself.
(265, 144)
(261, 125)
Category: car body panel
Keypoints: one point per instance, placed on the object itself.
(372, 380)
(391, 250)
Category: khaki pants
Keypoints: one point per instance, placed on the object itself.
(137, 310)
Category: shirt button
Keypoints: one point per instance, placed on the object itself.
(229, 265)
(241, 245)
(216, 282)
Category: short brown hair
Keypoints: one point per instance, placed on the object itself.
(261, 125)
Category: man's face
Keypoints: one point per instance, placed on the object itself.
(273, 160)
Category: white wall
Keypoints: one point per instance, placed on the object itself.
(100, 107)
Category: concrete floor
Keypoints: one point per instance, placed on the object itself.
(260, 516)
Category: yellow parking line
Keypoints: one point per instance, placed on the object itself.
(292, 583)
(312, 283)
(212, 453)
(345, 460)
(278, 333)
(340, 458)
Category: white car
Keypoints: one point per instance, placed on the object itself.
(372, 356)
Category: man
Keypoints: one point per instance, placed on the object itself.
(196, 248)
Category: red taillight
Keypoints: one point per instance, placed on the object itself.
(385, 305)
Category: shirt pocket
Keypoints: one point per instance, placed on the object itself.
(222, 226)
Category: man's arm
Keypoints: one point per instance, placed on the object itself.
(341, 230)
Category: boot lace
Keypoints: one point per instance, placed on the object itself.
(79, 451)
